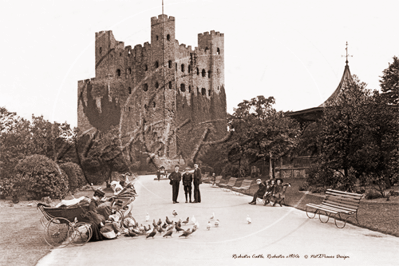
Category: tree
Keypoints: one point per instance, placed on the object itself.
(359, 138)
(100, 154)
(260, 132)
(390, 82)
(341, 134)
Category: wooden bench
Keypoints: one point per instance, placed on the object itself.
(337, 203)
(230, 184)
(245, 186)
(218, 179)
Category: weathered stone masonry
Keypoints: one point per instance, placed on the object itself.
(165, 98)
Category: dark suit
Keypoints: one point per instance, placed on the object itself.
(197, 182)
(187, 180)
(175, 179)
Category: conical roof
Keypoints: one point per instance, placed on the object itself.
(346, 77)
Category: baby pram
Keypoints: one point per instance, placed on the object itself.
(62, 226)
(122, 204)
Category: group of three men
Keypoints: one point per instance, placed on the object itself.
(188, 179)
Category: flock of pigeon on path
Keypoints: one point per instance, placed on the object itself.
(168, 227)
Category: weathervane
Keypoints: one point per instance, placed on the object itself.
(347, 55)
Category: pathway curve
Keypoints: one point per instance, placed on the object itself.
(275, 231)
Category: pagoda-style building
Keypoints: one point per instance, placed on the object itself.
(298, 164)
(313, 114)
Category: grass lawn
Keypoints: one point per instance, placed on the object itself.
(21, 232)
(378, 215)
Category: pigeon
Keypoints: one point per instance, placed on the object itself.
(164, 225)
(145, 228)
(168, 221)
(193, 230)
(196, 225)
(147, 217)
(159, 222)
(174, 213)
(186, 221)
(186, 233)
(154, 223)
(179, 222)
(213, 216)
(249, 219)
(152, 234)
(170, 227)
(160, 229)
(178, 228)
(193, 219)
(149, 229)
(141, 227)
(169, 233)
(217, 223)
(208, 226)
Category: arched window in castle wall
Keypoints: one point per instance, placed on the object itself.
(209, 92)
(197, 90)
(170, 84)
(218, 50)
(206, 49)
(209, 74)
(153, 104)
(203, 73)
(120, 54)
(203, 91)
(118, 72)
(156, 64)
(189, 68)
(145, 87)
(129, 70)
(130, 90)
(100, 50)
(168, 37)
(197, 71)
(156, 85)
(170, 63)
(189, 88)
(182, 87)
(182, 67)
(156, 37)
(145, 67)
(145, 106)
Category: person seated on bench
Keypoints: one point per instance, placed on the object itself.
(261, 191)
(269, 191)
(279, 191)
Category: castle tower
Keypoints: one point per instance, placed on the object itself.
(165, 97)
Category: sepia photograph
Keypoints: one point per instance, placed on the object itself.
(199, 132)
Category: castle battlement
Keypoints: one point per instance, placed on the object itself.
(211, 33)
(161, 19)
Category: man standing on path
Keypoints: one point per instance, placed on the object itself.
(175, 178)
(197, 182)
(187, 180)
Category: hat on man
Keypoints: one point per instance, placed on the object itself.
(99, 193)
(260, 180)
(281, 180)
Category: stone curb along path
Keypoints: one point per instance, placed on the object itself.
(277, 235)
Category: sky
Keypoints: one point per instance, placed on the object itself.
(291, 50)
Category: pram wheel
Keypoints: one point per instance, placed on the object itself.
(57, 232)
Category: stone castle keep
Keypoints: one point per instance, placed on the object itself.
(166, 99)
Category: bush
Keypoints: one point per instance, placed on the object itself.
(304, 186)
(38, 176)
(75, 175)
(372, 194)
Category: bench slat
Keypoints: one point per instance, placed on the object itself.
(329, 209)
(344, 194)
(340, 203)
(340, 206)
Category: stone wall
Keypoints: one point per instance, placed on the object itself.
(165, 98)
